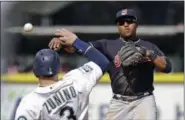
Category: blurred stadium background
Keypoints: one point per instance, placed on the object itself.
(159, 22)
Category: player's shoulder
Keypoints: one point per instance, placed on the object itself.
(111, 40)
(86, 68)
(30, 99)
(114, 41)
(89, 67)
(110, 43)
(107, 41)
(29, 104)
(146, 43)
(84, 71)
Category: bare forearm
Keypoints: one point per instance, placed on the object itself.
(162, 64)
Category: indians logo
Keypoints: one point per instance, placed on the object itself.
(117, 61)
(124, 12)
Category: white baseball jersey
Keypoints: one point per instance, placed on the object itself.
(67, 99)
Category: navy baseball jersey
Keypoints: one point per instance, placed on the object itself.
(132, 80)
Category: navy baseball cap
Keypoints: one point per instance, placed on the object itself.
(125, 13)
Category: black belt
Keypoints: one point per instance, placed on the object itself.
(131, 98)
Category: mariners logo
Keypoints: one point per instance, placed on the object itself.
(117, 61)
(22, 118)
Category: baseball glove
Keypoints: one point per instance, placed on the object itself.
(130, 55)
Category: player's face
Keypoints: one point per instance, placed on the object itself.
(127, 27)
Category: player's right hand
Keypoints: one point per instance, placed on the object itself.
(56, 45)
(66, 37)
(63, 40)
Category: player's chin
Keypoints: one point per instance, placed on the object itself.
(127, 35)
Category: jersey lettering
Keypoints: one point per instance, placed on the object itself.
(45, 105)
(73, 92)
(51, 103)
(59, 98)
(62, 98)
(66, 93)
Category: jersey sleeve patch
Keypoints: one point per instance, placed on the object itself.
(86, 69)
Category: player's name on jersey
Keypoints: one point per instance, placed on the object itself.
(60, 98)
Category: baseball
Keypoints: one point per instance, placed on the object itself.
(28, 27)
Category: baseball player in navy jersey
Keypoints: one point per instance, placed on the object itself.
(65, 98)
(133, 61)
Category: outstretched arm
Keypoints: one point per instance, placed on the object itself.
(55, 44)
(92, 53)
(69, 39)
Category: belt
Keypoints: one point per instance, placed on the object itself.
(131, 98)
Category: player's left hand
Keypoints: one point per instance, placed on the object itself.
(55, 44)
(129, 54)
(66, 37)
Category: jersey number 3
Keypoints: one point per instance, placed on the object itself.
(71, 115)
